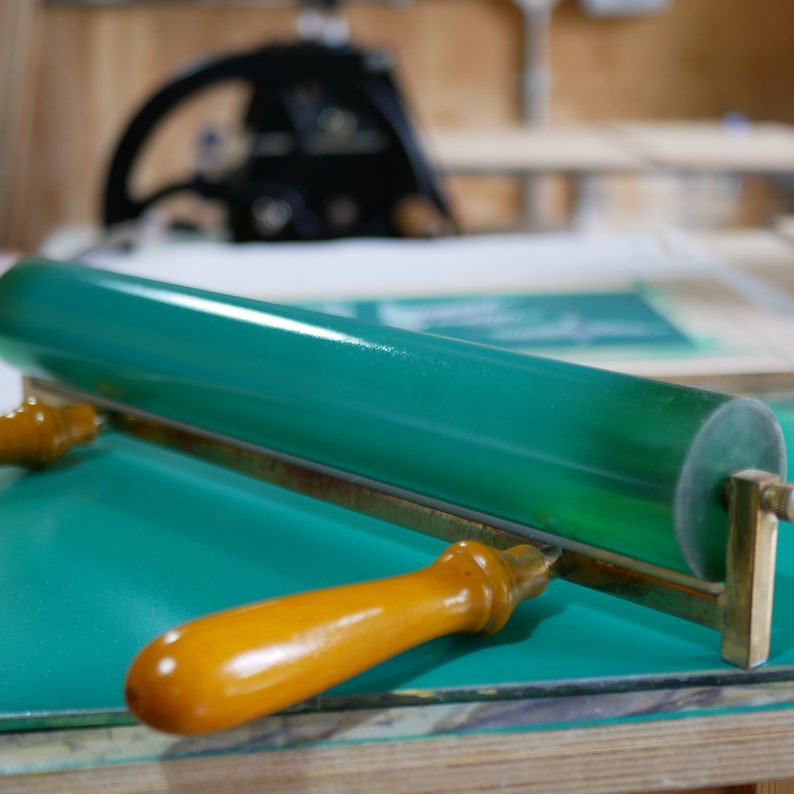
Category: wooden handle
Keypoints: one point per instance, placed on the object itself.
(234, 666)
(36, 434)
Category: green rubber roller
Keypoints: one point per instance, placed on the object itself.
(581, 455)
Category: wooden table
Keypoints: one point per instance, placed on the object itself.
(460, 748)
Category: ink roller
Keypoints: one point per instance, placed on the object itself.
(663, 494)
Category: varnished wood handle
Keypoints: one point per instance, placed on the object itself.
(234, 666)
(36, 434)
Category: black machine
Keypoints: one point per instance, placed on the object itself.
(329, 150)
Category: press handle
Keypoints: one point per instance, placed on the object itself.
(234, 666)
(36, 434)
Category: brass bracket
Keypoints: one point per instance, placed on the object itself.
(740, 608)
(756, 499)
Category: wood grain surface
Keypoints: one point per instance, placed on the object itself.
(726, 753)
(17, 58)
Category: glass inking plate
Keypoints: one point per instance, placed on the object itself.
(119, 542)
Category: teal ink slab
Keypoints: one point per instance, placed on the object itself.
(121, 541)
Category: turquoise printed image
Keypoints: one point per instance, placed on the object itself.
(523, 322)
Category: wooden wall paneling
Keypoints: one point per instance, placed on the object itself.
(98, 66)
(17, 50)
(702, 59)
(459, 60)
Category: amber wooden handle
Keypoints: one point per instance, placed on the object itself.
(234, 666)
(36, 434)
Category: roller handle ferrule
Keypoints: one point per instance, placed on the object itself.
(234, 666)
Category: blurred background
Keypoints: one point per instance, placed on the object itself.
(73, 73)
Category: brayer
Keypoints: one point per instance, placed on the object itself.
(659, 493)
